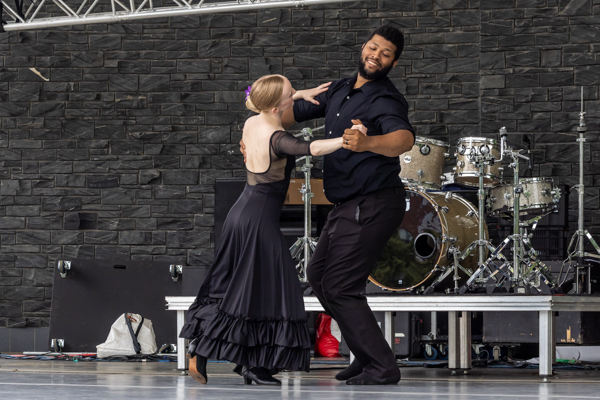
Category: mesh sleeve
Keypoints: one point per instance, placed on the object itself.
(284, 144)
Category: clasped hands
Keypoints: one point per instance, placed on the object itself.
(356, 138)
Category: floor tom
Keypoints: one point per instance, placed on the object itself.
(539, 196)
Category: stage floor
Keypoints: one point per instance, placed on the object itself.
(30, 379)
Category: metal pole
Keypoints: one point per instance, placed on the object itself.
(390, 332)
(481, 197)
(547, 346)
(307, 197)
(453, 341)
(465, 340)
(516, 226)
(580, 190)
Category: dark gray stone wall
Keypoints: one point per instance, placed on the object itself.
(112, 135)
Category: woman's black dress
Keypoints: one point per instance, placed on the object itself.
(250, 310)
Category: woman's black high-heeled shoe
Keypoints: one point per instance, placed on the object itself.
(260, 376)
(197, 369)
(238, 370)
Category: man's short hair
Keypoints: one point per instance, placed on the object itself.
(390, 34)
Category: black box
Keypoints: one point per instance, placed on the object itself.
(192, 278)
(523, 327)
(94, 293)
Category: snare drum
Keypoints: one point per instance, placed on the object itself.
(418, 251)
(466, 172)
(539, 196)
(423, 165)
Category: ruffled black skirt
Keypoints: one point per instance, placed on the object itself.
(250, 310)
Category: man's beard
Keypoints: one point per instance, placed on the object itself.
(372, 76)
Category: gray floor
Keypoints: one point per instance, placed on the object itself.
(28, 379)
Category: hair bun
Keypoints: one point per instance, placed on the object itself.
(250, 106)
(266, 93)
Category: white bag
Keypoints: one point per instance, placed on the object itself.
(130, 334)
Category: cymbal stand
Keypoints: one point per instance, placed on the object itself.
(525, 266)
(581, 232)
(494, 272)
(481, 159)
(304, 247)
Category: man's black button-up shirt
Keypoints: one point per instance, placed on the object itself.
(382, 109)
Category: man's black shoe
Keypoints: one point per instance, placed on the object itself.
(367, 379)
(352, 370)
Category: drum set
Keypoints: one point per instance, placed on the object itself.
(443, 242)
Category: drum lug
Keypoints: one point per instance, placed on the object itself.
(447, 155)
(555, 195)
(454, 169)
(448, 196)
(446, 238)
(471, 213)
(445, 209)
(420, 173)
(460, 164)
(443, 178)
(518, 189)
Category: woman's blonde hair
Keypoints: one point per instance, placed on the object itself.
(265, 93)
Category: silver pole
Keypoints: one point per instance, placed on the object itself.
(516, 225)
(580, 193)
(307, 197)
(481, 197)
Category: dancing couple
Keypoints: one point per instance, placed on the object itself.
(250, 310)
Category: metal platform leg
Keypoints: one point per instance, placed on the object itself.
(182, 361)
(547, 343)
(465, 340)
(389, 330)
(453, 341)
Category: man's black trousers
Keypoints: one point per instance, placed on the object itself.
(350, 244)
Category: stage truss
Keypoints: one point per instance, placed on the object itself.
(38, 14)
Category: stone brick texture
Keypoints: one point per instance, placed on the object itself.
(112, 136)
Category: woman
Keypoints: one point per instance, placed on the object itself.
(250, 310)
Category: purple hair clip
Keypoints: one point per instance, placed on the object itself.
(247, 91)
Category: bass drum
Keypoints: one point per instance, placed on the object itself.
(417, 251)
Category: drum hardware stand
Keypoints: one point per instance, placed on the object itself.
(304, 247)
(581, 232)
(498, 274)
(520, 281)
(481, 161)
(455, 255)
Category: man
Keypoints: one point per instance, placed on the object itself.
(363, 182)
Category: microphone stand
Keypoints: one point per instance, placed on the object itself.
(304, 247)
(581, 231)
